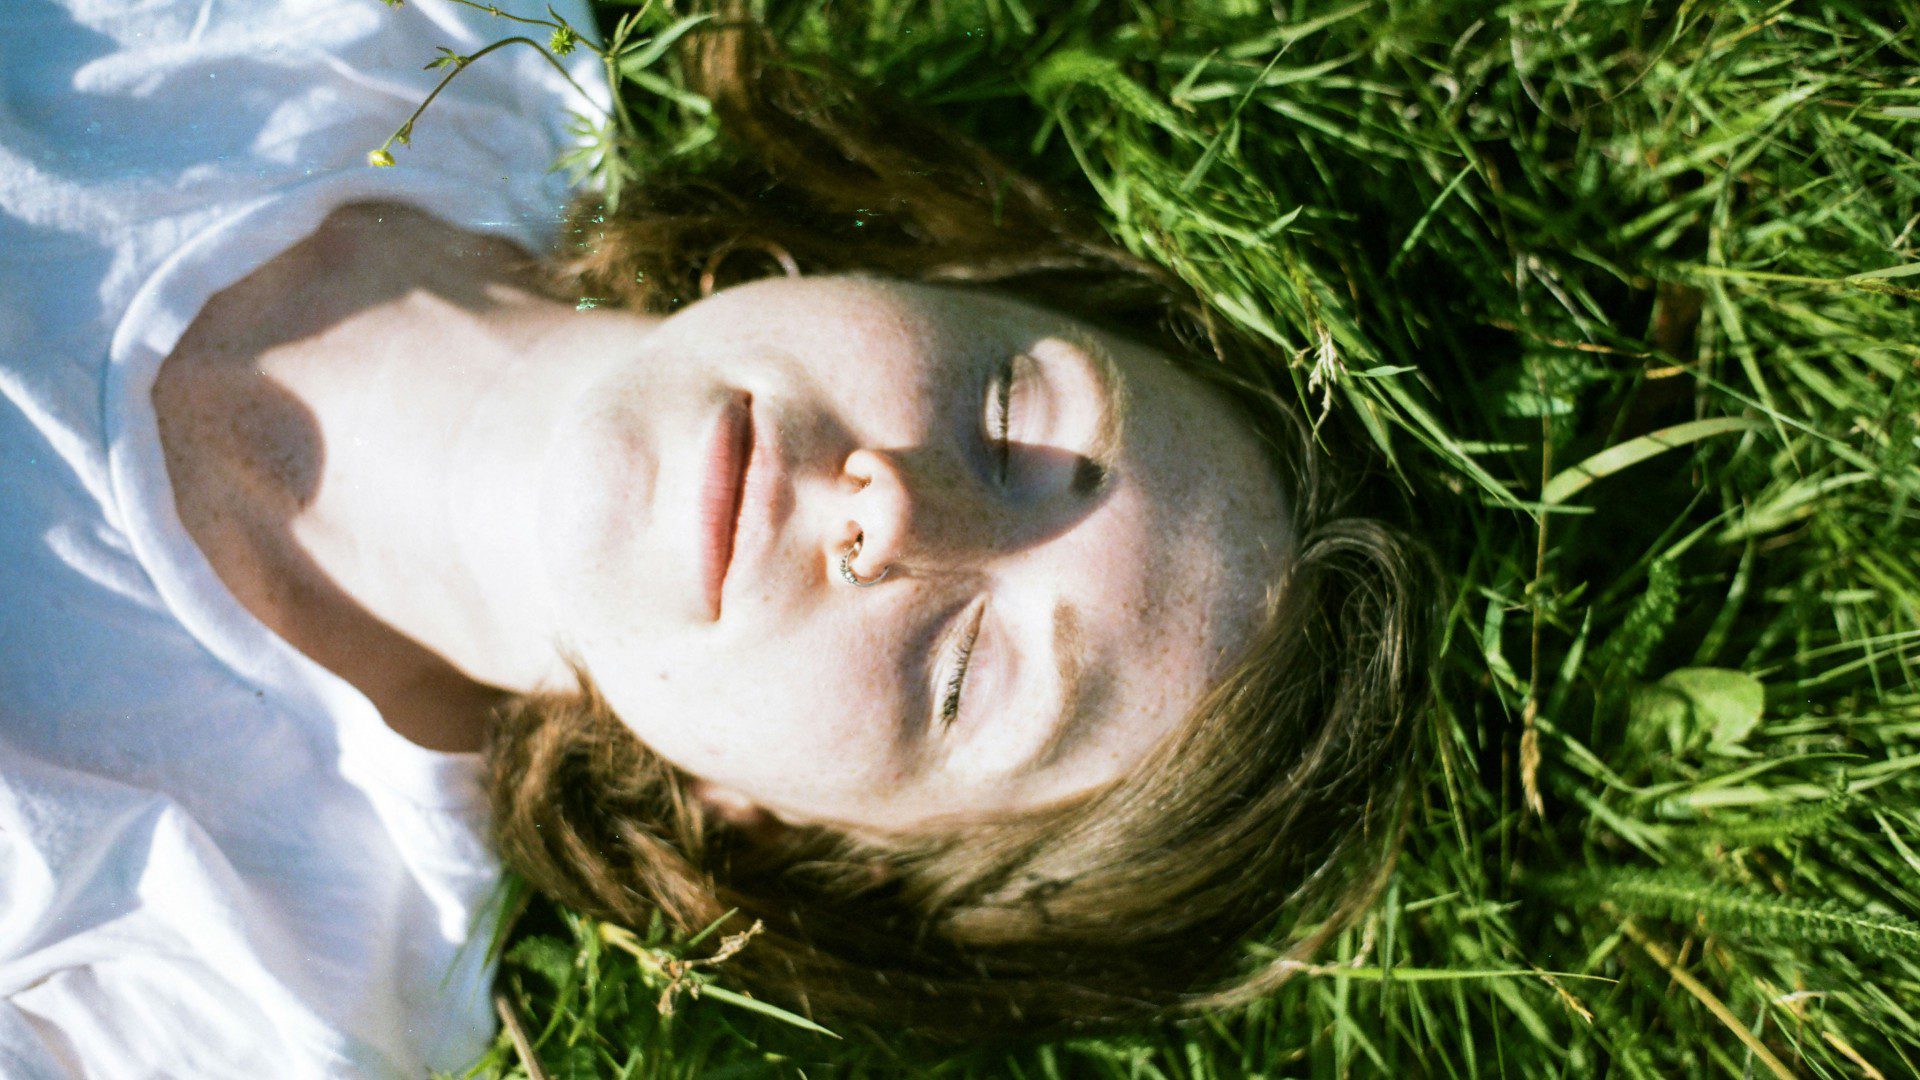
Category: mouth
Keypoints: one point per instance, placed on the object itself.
(729, 449)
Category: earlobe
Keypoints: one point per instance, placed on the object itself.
(728, 805)
(739, 813)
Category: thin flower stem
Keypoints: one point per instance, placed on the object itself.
(620, 116)
(1708, 998)
(405, 130)
(494, 10)
(510, 1018)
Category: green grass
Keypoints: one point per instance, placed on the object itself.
(1672, 822)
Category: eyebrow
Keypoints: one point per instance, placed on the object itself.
(1110, 403)
(1075, 715)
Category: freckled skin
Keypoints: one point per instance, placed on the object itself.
(795, 700)
(444, 485)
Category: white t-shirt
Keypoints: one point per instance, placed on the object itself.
(216, 859)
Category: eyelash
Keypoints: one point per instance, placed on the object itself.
(950, 701)
(1003, 407)
(1002, 453)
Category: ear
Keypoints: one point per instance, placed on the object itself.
(736, 811)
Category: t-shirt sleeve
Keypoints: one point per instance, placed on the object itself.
(30, 1054)
(152, 152)
(128, 111)
(130, 941)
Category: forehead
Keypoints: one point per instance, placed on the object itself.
(1179, 571)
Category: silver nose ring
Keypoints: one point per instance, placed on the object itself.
(846, 566)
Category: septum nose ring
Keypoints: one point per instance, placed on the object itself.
(846, 566)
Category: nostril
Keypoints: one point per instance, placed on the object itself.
(852, 576)
(861, 467)
(881, 507)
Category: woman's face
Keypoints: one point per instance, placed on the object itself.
(1075, 537)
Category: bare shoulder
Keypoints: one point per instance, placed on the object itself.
(364, 256)
(387, 228)
(245, 449)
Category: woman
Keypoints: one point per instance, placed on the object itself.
(933, 602)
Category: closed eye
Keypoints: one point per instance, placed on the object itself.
(1000, 414)
(962, 658)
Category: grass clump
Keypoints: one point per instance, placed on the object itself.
(1627, 294)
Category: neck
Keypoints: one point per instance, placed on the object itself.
(402, 550)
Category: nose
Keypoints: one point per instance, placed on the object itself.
(917, 512)
(884, 511)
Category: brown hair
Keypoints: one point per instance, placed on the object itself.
(1271, 813)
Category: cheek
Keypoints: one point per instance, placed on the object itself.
(1151, 593)
(613, 532)
(774, 723)
(595, 499)
(1126, 564)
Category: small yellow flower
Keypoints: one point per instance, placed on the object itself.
(380, 159)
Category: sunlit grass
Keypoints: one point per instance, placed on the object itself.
(1512, 239)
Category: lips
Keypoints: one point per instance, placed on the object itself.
(729, 448)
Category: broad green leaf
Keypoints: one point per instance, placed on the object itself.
(1727, 702)
(645, 54)
(1717, 706)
